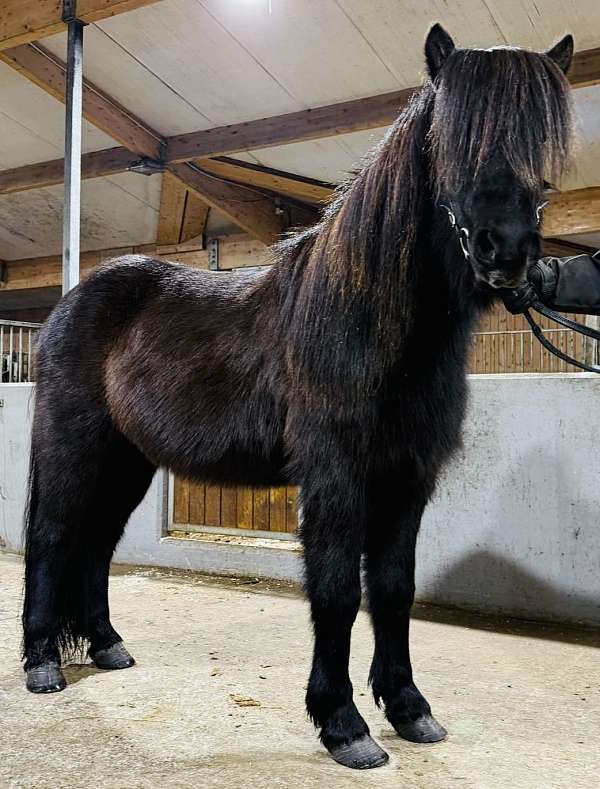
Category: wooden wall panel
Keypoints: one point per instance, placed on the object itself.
(254, 509)
(504, 343)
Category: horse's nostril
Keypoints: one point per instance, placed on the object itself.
(484, 242)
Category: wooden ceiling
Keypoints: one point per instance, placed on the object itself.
(186, 79)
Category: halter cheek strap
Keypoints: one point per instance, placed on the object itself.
(461, 232)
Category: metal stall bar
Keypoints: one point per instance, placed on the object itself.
(73, 124)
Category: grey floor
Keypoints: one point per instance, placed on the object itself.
(216, 699)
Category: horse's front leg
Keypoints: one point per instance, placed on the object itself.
(333, 537)
(390, 569)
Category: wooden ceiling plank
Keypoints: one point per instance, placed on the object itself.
(255, 214)
(49, 73)
(341, 118)
(360, 114)
(24, 21)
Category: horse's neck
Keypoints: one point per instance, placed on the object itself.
(446, 305)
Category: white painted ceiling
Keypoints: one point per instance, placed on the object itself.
(183, 65)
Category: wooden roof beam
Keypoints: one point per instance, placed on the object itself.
(23, 21)
(306, 189)
(93, 165)
(568, 213)
(255, 214)
(183, 214)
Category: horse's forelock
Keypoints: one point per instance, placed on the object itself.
(503, 101)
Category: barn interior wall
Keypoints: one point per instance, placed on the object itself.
(512, 528)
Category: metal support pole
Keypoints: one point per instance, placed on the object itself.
(73, 123)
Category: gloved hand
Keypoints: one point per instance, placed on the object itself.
(570, 284)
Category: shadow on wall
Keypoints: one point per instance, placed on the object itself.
(503, 587)
(524, 537)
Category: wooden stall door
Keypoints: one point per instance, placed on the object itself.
(197, 505)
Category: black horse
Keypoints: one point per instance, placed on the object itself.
(342, 370)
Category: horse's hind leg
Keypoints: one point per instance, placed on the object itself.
(390, 570)
(124, 480)
(81, 497)
(46, 559)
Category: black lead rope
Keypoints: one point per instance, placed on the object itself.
(520, 300)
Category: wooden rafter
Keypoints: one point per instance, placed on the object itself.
(332, 120)
(183, 213)
(49, 73)
(251, 211)
(559, 247)
(93, 165)
(235, 252)
(195, 217)
(585, 69)
(172, 207)
(246, 208)
(23, 21)
(306, 189)
(573, 212)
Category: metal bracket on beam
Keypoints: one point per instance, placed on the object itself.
(213, 254)
(69, 12)
(147, 166)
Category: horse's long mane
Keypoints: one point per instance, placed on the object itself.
(350, 301)
(350, 297)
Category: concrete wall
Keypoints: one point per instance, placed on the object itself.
(514, 526)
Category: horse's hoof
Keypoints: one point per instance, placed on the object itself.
(423, 729)
(361, 754)
(47, 678)
(114, 657)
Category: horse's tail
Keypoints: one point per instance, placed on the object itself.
(65, 575)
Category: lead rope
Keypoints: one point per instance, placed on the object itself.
(566, 322)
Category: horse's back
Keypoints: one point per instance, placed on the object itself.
(175, 358)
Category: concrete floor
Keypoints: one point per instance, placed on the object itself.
(216, 699)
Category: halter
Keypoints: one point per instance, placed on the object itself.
(463, 233)
(521, 299)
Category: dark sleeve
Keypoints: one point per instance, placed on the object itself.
(568, 284)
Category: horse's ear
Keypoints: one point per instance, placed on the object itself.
(438, 47)
(562, 53)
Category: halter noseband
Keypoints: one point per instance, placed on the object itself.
(463, 232)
